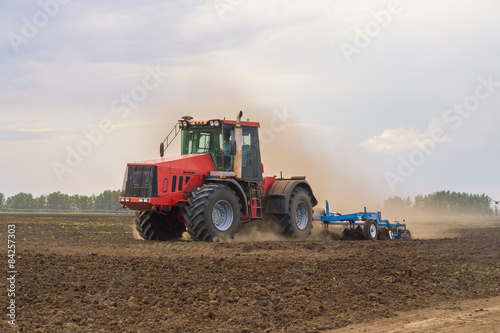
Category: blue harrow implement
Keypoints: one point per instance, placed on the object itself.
(365, 224)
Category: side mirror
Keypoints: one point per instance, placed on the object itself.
(232, 147)
(162, 149)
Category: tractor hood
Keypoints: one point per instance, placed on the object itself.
(193, 163)
(163, 177)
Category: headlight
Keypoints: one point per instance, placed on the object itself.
(216, 123)
(184, 123)
(211, 123)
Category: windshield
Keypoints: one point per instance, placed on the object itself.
(201, 141)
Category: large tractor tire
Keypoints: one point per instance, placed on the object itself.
(370, 229)
(213, 211)
(298, 222)
(154, 226)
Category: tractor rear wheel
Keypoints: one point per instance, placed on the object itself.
(154, 226)
(370, 229)
(298, 222)
(213, 211)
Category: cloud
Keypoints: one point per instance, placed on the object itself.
(29, 134)
(398, 140)
(21, 135)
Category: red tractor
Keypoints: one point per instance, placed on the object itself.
(214, 186)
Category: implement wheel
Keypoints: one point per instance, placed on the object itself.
(213, 211)
(391, 234)
(370, 229)
(406, 234)
(154, 226)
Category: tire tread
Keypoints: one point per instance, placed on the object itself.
(195, 210)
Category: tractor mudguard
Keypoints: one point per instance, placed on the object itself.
(232, 184)
(278, 197)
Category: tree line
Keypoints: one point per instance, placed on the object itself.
(106, 201)
(444, 203)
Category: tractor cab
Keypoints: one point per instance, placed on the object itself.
(217, 138)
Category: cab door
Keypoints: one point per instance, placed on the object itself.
(251, 164)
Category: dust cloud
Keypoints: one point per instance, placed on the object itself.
(135, 233)
(319, 233)
(256, 235)
(434, 224)
(264, 232)
(286, 145)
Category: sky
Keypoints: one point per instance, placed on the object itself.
(368, 99)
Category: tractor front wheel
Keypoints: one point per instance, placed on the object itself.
(155, 226)
(213, 211)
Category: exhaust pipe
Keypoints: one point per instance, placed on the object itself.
(238, 137)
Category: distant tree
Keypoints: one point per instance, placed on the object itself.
(420, 203)
(21, 201)
(107, 200)
(86, 202)
(58, 201)
(453, 204)
(398, 204)
(41, 202)
(81, 202)
(74, 202)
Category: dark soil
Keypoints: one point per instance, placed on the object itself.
(86, 273)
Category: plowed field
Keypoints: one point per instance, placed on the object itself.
(87, 273)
